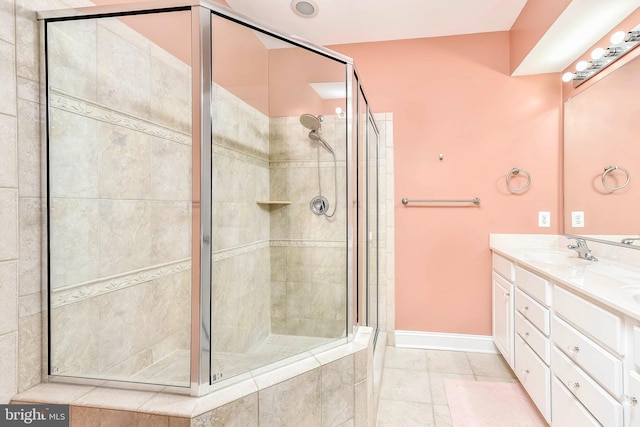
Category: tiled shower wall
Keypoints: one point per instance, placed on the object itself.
(386, 230)
(20, 207)
(240, 239)
(308, 253)
(265, 160)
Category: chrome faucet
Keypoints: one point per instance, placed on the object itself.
(583, 250)
(629, 240)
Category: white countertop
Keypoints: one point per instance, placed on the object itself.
(613, 281)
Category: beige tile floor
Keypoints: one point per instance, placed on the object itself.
(412, 388)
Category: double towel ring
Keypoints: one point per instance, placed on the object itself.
(516, 171)
(610, 169)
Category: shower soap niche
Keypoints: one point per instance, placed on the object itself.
(273, 202)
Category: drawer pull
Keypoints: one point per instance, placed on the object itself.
(525, 308)
(524, 371)
(574, 385)
(574, 349)
(506, 294)
(525, 335)
(631, 401)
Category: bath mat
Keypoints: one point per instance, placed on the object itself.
(495, 404)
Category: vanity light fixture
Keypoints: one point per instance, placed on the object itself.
(622, 42)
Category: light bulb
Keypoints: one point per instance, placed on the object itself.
(618, 37)
(582, 65)
(597, 53)
(568, 76)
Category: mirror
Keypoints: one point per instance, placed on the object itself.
(602, 158)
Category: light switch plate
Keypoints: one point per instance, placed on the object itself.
(577, 218)
(544, 219)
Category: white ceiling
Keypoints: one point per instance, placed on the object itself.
(581, 25)
(354, 21)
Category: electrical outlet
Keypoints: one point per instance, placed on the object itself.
(577, 218)
(544, 219)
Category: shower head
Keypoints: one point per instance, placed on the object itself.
(310, 121)
(314, 136)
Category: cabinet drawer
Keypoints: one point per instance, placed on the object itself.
(534, 285)
(566, 410)
(532, 311)
(534, 376)
(596, 400)
(595, 322)
(532, 336)
(503, 267)
(603, 367)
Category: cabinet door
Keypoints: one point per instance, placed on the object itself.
(503, 317)
(633, 400)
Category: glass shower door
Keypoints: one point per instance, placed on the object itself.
(279, 215)
(119, 197)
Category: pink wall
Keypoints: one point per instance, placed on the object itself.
(534, 21)
(454, 95)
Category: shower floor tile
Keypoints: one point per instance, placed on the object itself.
(273, 348)
(288, 345)
(174, 368)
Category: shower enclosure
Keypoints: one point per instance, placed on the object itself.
(212, 196)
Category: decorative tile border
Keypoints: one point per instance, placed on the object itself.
(96, 111)
(223, 150)
(309, 243)
(81, 291)
(285, 164)
(263, 244)
(239, 250)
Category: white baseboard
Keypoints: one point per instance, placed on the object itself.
(442, 341)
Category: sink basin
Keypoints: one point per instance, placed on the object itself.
(550, 256)
(633, 291)
(616, 271)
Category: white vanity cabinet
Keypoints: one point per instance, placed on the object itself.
(502, 306)
(576, 356)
